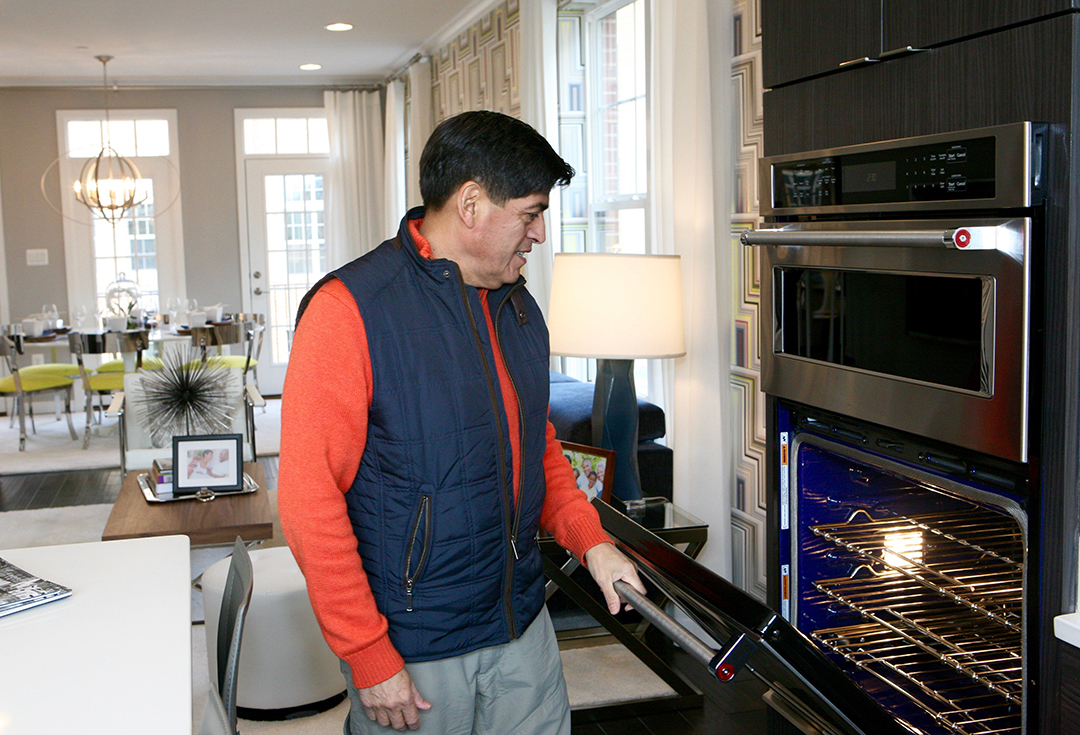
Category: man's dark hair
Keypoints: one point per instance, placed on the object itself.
(503, 154)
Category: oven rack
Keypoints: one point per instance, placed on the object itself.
(945, 693)
(954, 635)
(969, 558)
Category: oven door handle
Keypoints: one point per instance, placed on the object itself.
(724, 664)
(963, 238)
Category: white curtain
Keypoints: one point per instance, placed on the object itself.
(692, 152)
(421, 123)
(394, 154)
(538, 86)
(355, 209)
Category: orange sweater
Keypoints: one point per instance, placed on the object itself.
(327, 394)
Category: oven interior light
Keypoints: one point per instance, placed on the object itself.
(903, 549)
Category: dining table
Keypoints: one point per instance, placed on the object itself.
(113, 658)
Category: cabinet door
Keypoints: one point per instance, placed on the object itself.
(922, 24)
(803, 38)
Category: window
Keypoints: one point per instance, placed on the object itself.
(146, 246)
(603, 134)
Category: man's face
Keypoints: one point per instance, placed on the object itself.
(507, 235)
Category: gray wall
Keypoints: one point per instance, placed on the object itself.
(208, 182)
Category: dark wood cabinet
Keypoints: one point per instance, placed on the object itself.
(807, 38)
(804, 38)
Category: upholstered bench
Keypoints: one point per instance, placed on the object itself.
(571, 403)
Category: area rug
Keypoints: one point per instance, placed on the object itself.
(595, 675)
(74, 524)
(52, 449)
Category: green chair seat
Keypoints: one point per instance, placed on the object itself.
(62, 369)
(105, 382)
(31, 383)
(236, 361)
(117, 366)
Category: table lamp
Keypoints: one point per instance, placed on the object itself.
(616, 308)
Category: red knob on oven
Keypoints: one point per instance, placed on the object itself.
(725, 672)
(962, 238)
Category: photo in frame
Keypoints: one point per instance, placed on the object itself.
(594, 469)
(211, 461)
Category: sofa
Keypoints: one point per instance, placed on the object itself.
(571, 402)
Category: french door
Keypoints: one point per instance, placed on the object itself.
(287, 251)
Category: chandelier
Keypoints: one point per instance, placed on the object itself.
(107, 184)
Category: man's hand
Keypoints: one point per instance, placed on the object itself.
(607, 565)
(394, 702)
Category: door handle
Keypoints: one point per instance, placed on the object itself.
(258, 292)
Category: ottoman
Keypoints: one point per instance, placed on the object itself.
(286, 669)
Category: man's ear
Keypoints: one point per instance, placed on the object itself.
(468, 199)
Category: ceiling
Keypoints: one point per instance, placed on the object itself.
(217, 42)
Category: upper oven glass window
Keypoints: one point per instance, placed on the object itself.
(927, 328)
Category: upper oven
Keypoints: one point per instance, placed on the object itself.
(897, 283)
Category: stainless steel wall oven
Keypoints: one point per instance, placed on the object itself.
(900, 342)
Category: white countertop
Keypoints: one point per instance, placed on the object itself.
(115, 656)
(1067, 628)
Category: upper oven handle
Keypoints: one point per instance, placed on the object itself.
(964, 238)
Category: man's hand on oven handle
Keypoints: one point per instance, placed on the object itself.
(609, 565)
(395, 702)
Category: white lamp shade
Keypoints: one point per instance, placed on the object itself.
(615, 306)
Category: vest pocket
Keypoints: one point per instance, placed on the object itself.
(418, 547)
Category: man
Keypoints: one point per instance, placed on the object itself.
(417, 461)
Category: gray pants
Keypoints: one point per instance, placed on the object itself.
(516, 688)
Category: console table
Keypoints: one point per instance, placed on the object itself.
(674, 526)
(216, 522)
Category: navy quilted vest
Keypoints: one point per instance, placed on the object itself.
(450, 556)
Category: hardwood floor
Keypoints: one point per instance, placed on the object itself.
(734, 708)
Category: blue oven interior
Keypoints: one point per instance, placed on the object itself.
(911, 580)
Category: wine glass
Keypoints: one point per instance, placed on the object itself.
(174, 304)
(192, 305)
(51, 316)
(79, 315)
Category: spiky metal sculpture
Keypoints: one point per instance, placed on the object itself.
(186, 397)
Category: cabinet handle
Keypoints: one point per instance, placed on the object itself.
(861, 61)
(897, 52)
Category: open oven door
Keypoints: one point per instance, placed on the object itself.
(805, 687)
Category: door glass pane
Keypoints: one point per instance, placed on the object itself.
(296, 256)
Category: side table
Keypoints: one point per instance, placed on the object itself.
(676, 527)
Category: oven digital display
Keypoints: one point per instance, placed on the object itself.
(880, 176)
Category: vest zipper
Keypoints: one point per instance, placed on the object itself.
(521, 425)
(507, 501)
(423, 514)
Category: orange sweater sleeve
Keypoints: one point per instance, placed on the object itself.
(325, 402)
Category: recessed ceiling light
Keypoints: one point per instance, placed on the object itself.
(339, 27)
(311, 67)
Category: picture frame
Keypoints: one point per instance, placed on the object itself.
(207, 462)
(584, 459)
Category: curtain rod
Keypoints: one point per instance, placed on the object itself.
(401, 72)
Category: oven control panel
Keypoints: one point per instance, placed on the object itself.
(990, 167)
(942, 172)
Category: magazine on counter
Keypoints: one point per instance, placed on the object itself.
(20, 590)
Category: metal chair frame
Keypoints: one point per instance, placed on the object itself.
(11, 346)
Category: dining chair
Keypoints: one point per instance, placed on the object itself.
(24, 383)
(245, 329)
(100, 383)
(219, 714)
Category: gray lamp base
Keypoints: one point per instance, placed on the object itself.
(615, 423)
